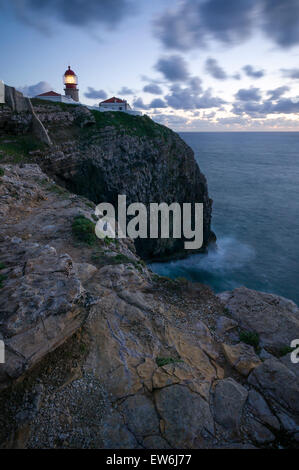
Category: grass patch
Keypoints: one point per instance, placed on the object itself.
(141, 126)
(2, 171)
(250, 338)
(62, 106)
(164, 361)
(84, 230)
(19, 147)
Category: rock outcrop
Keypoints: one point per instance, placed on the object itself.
(103, 155)
(42, 304)
(274, 318)
(23, 117)
(113, 356)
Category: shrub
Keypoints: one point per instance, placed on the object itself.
(1, 171)
(84, 230)
(122, 259)
(108, 241)
(251, 338)
(285, 350)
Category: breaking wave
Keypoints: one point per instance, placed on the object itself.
(222, 268)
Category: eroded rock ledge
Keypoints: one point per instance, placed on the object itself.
(103, 155)
(103, 353)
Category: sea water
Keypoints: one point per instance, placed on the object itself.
(253, 179)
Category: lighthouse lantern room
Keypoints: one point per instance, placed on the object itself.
(70, 81)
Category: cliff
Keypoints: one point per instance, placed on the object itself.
(102, 155)
(101, 352)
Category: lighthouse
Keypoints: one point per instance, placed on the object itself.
(70, 81)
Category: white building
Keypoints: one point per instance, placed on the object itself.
(117, 104)
(53, 96)
(2, 92)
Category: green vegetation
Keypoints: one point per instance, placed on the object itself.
(91, 205)
(19, 147)
(122, 259)
(84, 230)
(251, 338)
(54, 188)
(102, 258)
(1, 171)
(163, 361)
(285, 350)
(2, 266)
(2, 278)
(141, 126)
(62, 106)
(108, 241)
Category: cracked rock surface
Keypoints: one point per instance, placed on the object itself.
(102, 353)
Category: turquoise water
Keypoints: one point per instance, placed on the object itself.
(253, 179)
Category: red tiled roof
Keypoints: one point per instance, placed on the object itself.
(49, 93)
(113, 100)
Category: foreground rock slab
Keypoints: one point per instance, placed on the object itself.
(42, 304)
(274, 318)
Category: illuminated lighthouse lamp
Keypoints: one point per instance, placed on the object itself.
(70, 81)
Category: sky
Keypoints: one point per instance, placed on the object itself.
(193, 65)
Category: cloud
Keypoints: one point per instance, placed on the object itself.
(157, 103)
(277, 92)
(153, 88)
(261, 109)
(214, 69)
(291, 73)
(188, 98)
(125, 91)
(76, 13)
(195, 85)
(139, 104)
(192, 23)
(170, 120)
(95, 94)
(286, 106)
(37, 89)
(281, 21)
(174, 68)
(236, 76)
(251, 94)
(250, 72)
(206, 101)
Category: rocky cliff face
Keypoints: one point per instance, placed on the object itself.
(102, 353)
(101, 156)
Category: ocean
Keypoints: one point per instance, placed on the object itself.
(253, 179)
